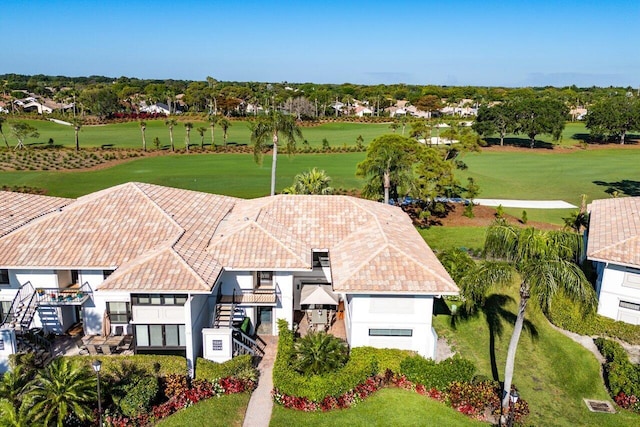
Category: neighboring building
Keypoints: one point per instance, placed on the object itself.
(176, 269)
(614, 247)
(157, 108)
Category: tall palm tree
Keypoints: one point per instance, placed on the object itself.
(313, 181)
(201, 130)
(274, 125)
(213, 121)
(143, 128)
(187, 140)
(63, 388)
(77, 123)
(318, 353)
(2, 120)
(225, 124)
(544, 262)
(171, 123)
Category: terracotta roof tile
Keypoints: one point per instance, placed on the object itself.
(19, 208)
(614, 231)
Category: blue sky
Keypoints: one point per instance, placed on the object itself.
(483, 43)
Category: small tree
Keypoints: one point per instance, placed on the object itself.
(143, 128)
(359, 142)
(156, 143)
(524, 219)
(170, 124)
(22, 131)
(225, 124)
(187, 140)
(76, 122)
(325, 144)
(2, 119)
(313, 181)
(201, 131)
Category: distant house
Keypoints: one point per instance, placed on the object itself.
(157, 108)
(361, 111)
(31, 104)
(179, 271)
(614, 247)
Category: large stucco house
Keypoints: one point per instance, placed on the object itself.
(178, 270)
(614, 247)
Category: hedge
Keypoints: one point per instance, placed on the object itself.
(569, 316)
(240, 366)
(431, 374)
(150, 363)
(386, 358)
(316, 387)
(621, 375)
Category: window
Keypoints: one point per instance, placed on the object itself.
(265, 278)
(321, 259)
(390, 332)
(5, 308)
(160, 336)
(159, 299)
(629, 305)
(4, 276)
(74, 276)
(119, 312)
(106, 273)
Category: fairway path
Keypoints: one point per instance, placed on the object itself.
(260, 405)
(527, 204)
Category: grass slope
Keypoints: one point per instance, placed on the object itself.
(223, 411)
(553, 373)
(387, 407)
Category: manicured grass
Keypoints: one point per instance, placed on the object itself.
(387, 407)
(129, 135)
(553, 373)
(549, 216)
(548, 175)
(223, 411)
(441, 238)
(230, 174)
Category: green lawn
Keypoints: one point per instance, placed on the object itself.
(230, 174)
(223, 411)
(441, 238)
(387, 407)
(553, 373)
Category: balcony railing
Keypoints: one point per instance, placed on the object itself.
(259, 295)
(65, 296)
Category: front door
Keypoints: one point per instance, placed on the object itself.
(265, 321)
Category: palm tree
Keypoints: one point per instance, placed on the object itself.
(272, 126)
(225, 124)
(201, 130)
(318, 353)
(10, 416)
(544, 262)
(171, 123)
(65, 387)
(76, 122)
(13, 384)
(2, 119)
(187, 140)
(213, 120)
(143, 128)
(313, 181)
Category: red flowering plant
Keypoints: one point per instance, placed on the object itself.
(628, 401)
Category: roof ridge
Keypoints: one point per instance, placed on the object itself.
(356, 203)
(363, 263)
(264, 230)
(618, 243)
(423, 266)
(136, 186)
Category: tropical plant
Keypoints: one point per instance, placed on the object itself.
(313, 181)
(544, 262)
(319, 353)
(12, 416)
(213, 121)
(65, 387)
(225, 124)
(22, 131)
(388, 165)
(2, 120)
(143, 128)
(171, 123)
(272, 126)
(13, 384)
(201, 130)
(187, 140)
(77, 123)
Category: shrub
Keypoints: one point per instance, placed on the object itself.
(240, 367)
(437, 375)
(386, 358)
(622, 376)
(139, 396)
(319, 353)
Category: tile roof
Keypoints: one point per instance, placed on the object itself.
(166, 239)
(614, 231)
(19, 208)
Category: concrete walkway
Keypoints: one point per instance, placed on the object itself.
(526, 204)
(260, 405)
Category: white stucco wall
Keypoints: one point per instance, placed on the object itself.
(392, 312)
(38, 278)
(615, 284)
(198, 314)
(284, 306)
(238, 280)
(8, 338)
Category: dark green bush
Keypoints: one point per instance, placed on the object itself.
(139, 397)
(620, 374)
(151, 363)
(240, 367)
(568, 315)
(386, 358)
(316, 387)
(437, 375)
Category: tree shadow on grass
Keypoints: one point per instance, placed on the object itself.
(626, 187)
(495, 315)
(519, 142)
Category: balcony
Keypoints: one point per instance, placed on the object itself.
(62, 297)
(261, 296)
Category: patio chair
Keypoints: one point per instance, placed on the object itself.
(92, 350)
(119, 330)
(105, 349)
